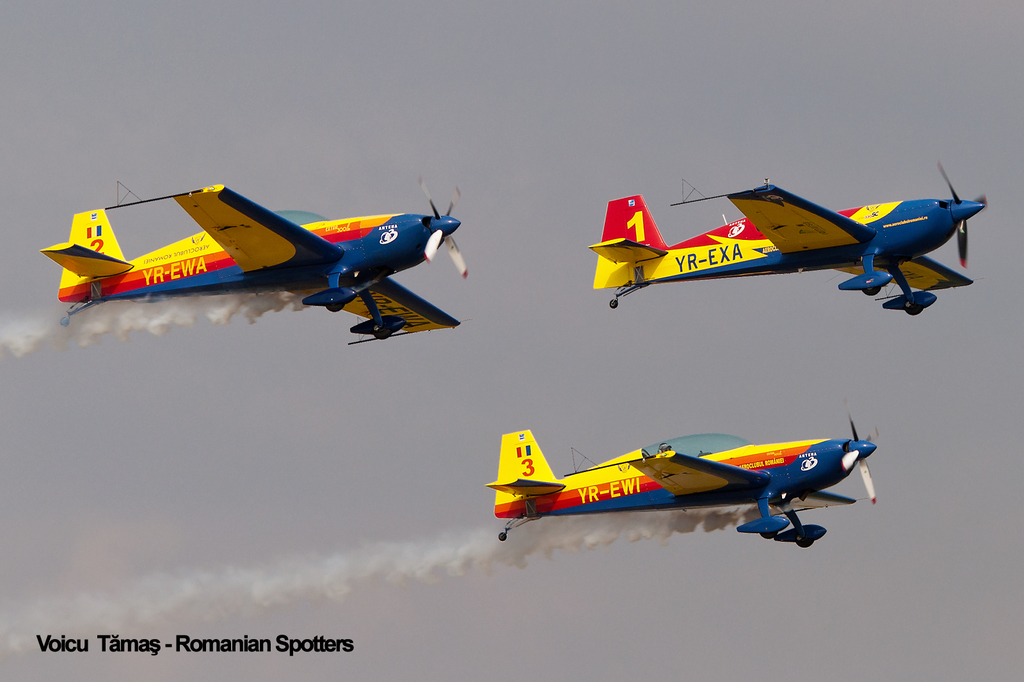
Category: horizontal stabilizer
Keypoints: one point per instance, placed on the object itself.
(85, 262)
(527, 488)
(623, 250)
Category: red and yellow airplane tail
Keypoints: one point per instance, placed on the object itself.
(91, 252)
(630, 237)
(629, 218)
(522, 472)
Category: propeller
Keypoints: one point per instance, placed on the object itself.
(852, 456)
(434, 242)
(961, 211)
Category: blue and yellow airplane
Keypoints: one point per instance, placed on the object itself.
(244, 248)
(781, 232)
(704, 470)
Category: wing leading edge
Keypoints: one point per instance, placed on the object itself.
(794, 224)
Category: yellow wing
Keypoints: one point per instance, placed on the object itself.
(394, 299)
(794, 224)
(253, 236)
(684, 475)
(924, 273)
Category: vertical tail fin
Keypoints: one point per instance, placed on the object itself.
(522, 472)
(91, 253)
(630, 237)
(628, 218)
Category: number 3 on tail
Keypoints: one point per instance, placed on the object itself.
(528, 463)
(637, 223)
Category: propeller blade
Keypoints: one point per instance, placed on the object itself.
(849, 459)
(866, 473)
(873, 436)
(455, 200)
(433, 244)
(453, 251)
(961, 242)
(950, 184)
(850, 416)
(423, 186)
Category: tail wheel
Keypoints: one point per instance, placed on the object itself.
(502, 536)
(613, 304)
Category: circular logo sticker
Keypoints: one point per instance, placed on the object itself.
(388, 236)
(808, 464)
(736, 229)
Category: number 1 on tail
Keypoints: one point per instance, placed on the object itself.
(637, 223)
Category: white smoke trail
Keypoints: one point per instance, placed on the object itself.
(20, 336)
(208, 596)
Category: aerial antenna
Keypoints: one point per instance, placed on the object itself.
(573, 451)
(127, 193)
(693, 190)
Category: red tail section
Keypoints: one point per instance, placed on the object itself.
(629, 218)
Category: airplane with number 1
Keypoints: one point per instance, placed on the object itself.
(704, 470)
(244, 248)
(877, 244)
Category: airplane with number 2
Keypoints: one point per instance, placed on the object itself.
(244, 248)
(704, 470)
(878, 244)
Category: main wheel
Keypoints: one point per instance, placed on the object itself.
(871, 291)
(334, 307)
(769, 536)
(914, 309)
(613, 304)
(381, 333)
(502, 536)
(804, 542)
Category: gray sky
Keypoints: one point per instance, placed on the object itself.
(247, 446)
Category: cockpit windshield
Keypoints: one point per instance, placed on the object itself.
(699, 444)
(301, 217)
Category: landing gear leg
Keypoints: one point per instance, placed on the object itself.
(515, 523)
(77, 308)
(626, 291)
(379, 330)
(911, 304)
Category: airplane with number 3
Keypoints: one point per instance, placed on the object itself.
(244, 248)
(878, 244)
(704, 470)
